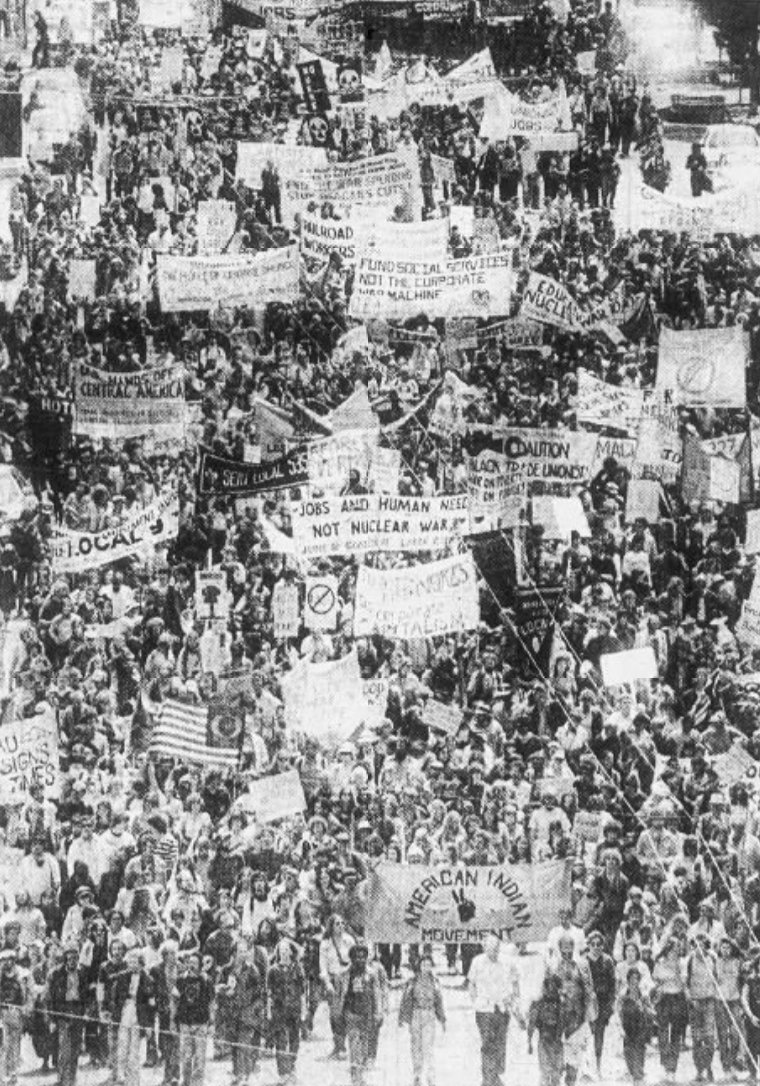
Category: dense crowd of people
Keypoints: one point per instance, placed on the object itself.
(145, 913)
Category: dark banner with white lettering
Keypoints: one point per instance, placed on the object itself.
(218, 475)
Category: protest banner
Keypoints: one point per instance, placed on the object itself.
(286, 610)
(462, 218)
(619, 668)
(414, 903)
(428, 240)
(620, 449)
(554, 142)
(325, 700)
(560, 517)
(548, 302)
(444, 170)
(748, 627)
(643, 501)
(219, 475)
(505, 114)
(358, 524)
(384, 470)
(724, 480)
(515, 333)
(82, 280)
(703, 367)
(123, 405)
(734, 210)
(695, 480)
(752, 542)
(287, 160)
(659, 452)
(354, 413)
(395, 286)
(331, 459)
(421, 601)
(204, 282)
(497, 498)
(321, 602)
(322, 238)
(383, 181)
(442, 717)
(314, 86)
(271, 798)
(375, 694)
(217, 220)
(735, 765)
(29, 756)
(600, 404)
(562, 456)
(734, 447)
(212, 600)
(141, 530)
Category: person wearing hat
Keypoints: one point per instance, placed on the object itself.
(420, 1007)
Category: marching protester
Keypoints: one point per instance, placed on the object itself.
(377, 553)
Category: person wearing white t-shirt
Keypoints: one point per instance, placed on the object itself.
(494, 984)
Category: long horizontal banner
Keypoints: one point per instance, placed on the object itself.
(144, 528)
(422, 601)
(558, 456)
(378, 522)
(384, 181)
(395, 286)
(122, 405)
(734, 210)
(202, 283)
(288, 160)
(219, 475)
(321, 238)
(418, 904)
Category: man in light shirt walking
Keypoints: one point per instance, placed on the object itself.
(495, 989)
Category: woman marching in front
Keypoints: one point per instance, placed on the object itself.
(421, 1004)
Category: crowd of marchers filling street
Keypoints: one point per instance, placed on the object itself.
(379, 511)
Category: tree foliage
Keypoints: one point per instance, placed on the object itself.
(736, 26)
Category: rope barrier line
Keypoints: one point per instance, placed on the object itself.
(727, 1007)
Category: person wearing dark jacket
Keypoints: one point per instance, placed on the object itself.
(195, 995)
(602, 969)
(164, 979)
(361, 1010)
(132, 1008)
(421, 1005)
(68, 987)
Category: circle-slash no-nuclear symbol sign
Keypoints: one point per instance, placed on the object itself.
(321, 599)
(696, 376)
(321, 610)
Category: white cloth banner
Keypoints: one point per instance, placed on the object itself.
(600, 404)
(422, 601)
(123, 405)
(560, 456)
(29, 756)
(289, 161)
(378, 522)
(330, 459)
(734, 210)
(395, 286)
(560, 517)
(325, 700)
(270, 798)
(748, 626)
(383, 181)
(321, 602)
(203, 283)
(547, 301)
(141, 530)
(703, 367)
(216, 224)
(497, 498)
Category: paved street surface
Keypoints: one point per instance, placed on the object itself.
(458, 1050)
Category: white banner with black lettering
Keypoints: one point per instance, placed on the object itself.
(421, 601)
(358, 524)
(141, 530)
(205, 282)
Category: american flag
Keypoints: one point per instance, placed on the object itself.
(182, 731)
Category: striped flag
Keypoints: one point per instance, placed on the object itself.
(182, 731)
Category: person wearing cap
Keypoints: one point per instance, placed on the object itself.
(494, 985)
(420, 1007)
